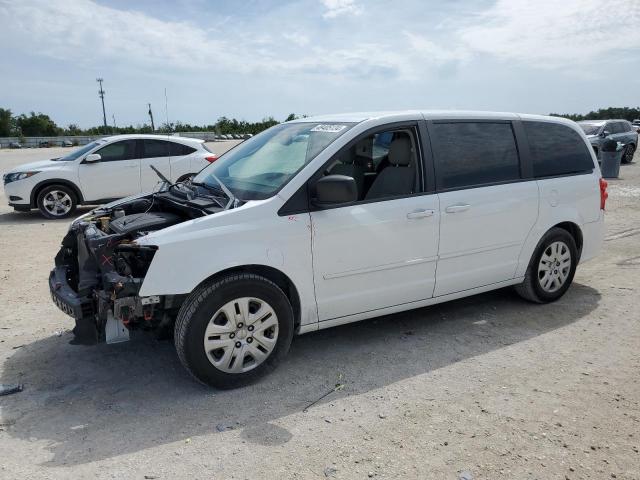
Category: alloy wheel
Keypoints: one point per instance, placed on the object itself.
(57, 203)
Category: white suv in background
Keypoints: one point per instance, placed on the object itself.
(324, 221)
(103, 170)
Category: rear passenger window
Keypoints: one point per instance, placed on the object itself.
(155, 148)
(474, 153)
(178, 149)
(557, 150)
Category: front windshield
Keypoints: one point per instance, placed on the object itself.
(259, 167)
(74, 155)
(590, 128)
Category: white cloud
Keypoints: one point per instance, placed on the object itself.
(298, 38)
(336, 8)
(551, 33)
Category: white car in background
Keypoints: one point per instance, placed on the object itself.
(104, 170)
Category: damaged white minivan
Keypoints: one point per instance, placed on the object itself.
(328, 220)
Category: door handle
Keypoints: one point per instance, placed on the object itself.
(421, 213)
(458, 207)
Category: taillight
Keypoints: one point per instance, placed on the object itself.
(211, 158)
(603, 193)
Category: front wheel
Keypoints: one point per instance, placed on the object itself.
(551, 268)
(56, 201)
(234, 330)
(627, 155)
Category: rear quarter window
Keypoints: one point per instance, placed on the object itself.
(557, 149)
(474, 153)
(179, 149)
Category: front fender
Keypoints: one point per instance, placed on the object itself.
(188, 256)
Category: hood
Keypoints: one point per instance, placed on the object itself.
(39, 165)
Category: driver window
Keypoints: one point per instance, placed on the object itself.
(124, 150)
(383, 164)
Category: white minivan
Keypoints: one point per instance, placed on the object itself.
(103, 170)
(329, 220)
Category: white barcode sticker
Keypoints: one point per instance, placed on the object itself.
(328, 128)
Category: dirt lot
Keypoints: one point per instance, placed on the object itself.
(486, 387)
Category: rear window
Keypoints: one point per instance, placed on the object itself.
(557, 150)
(474, 153)
(155, 148)
(179, 149)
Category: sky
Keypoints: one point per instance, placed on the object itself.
(259, 58)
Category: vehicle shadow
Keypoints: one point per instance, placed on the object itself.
(34, 216)
(93, 403)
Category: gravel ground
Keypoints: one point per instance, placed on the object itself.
(486, 387)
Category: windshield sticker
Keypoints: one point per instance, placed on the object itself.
(328, 128)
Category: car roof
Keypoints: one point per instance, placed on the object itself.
(149, 136)
(358, 117)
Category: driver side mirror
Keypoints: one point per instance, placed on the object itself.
(92, 158)
(606, 133)
(334, 190)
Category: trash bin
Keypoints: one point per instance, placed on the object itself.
(610, 157)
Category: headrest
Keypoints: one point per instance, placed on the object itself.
(400, 152)
(364, 148)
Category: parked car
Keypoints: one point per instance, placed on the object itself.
(66, 143)
(622, 131)
(109, 168)
(363, 215)
(44, 144)
(15, 145)
(636, 124)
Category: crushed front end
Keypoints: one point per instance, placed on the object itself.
(100, 267)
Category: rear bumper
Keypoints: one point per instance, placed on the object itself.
(592, 238)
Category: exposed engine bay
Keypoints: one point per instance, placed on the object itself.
(100, 267)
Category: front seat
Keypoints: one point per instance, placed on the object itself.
(353, 167)
(398, 178)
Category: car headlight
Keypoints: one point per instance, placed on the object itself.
(13, 177)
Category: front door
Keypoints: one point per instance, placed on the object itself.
(380, 251)
(115, 175)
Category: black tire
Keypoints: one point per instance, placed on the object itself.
(50, 191)
(629, 152)
(196, 314)
(531, 288)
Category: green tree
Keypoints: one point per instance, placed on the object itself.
(6, 123)
(73, 129)
(37, 125)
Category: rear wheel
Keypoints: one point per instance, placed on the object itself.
(234, 330)
(551, 268)
(56, 201)
(627, 155)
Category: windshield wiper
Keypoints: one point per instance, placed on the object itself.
(233, 201)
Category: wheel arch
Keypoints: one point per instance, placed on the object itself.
(575, 231)
(278, 277)
(54, 181)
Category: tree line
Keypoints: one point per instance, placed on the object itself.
(619, 113)
(41, 125)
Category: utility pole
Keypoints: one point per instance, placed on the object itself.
(114, 120)
(101, 95)
(153, 128)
